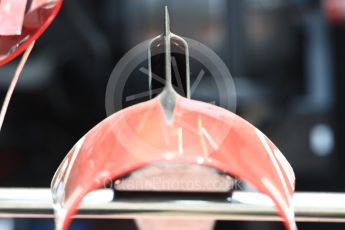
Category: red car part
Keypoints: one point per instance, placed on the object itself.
(172, 129)
(22, 22)
(335, 10)
(199, 133)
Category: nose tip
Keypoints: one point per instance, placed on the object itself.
(168, 60)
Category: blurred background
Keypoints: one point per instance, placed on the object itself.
(287, 59)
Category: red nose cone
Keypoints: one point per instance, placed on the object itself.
(22, 22)
(197, 133)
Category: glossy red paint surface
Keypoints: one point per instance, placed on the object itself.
(12, 16)
(198, 133)
(19, 28)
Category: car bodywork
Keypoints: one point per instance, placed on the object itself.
(197, 133)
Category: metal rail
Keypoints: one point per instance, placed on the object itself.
(36, 203)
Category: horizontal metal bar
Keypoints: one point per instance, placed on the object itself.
(36, 203)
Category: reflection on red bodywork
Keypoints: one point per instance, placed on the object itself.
(198, 133)
(22, 22)
(335, 10)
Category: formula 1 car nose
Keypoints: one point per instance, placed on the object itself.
(171, 129)
(198, 133)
